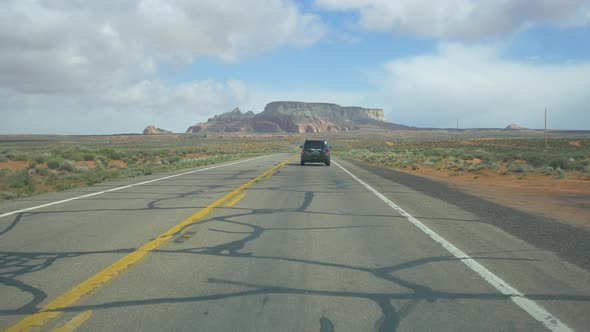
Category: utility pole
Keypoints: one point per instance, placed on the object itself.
(457, 123)
(545, 127)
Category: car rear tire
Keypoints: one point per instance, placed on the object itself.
(302, 163)
(327, 163)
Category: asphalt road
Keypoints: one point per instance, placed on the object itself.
(264, 245)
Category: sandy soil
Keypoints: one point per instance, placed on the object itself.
(118, 163)
(566, 200)
(14, 165)
(87, 163)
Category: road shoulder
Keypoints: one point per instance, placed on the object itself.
(568, 242)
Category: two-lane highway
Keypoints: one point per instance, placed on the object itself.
(269, 245)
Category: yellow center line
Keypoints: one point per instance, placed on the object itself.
(55, 307)
(74, 323)
(234, 200)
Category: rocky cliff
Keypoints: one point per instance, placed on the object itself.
(234, 121)
(296, 117)
(152, 130)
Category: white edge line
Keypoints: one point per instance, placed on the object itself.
(128, 186)
(531, 307)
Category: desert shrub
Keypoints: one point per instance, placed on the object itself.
(460, 167)
(83, 169)
(491, 165)
(174, 159)
(101, 163)
(508, 158)
(5, 172)
(32, 165)
(20, 157)
(559, 174)
(3, 158)
(72, 154)
(566, 164)
(429, 163)
(479, 154)
(42, 158)
(88, 157)
(113, 154)
(438, 152)
(515, 167)
(42, 171)
(476, 167)
(537, 160)
(67, 165)
(8, 195)
(20, 179)
(64, 186)
(53, 164)
(10, 155)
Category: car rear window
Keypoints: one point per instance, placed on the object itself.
(314, 144)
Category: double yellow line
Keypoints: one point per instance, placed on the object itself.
(55, 307)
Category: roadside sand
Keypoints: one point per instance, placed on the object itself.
(566, 200)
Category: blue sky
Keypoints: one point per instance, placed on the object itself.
(176, 63)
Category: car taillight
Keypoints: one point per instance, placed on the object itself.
(327, 151)
(302, 151)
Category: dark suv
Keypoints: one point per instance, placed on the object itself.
(315, 151)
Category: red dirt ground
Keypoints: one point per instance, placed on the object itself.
(566, 200)
(90, 164)
(14, 165)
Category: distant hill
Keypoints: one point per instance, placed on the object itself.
(297, 117)
(514, 127)
(152, 130)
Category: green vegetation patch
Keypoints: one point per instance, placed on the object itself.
(522, 156)
(60, 165)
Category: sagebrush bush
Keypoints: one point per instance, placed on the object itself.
(67, 165)
(42, 158)
(42, 171)
(53, 164)
(515, 167)
(20, 179)
(83, 169)
(174, 159)
(20, 157)
(8, 195)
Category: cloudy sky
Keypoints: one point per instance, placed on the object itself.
(101, 67)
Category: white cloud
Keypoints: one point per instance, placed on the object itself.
(478, 86)
(125, 110)
(226, 29)
(87, 60)
(84, 46)
(466, 20)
